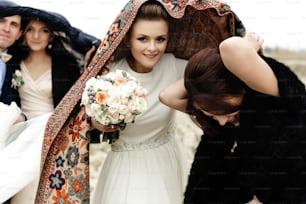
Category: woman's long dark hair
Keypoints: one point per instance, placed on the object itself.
(208, 82)
(60, 46)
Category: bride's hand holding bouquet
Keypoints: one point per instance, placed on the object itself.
(112, 101)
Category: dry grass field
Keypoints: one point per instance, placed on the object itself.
(188, 134)
(296, 60)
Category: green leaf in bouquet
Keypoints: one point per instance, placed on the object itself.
(111, 137)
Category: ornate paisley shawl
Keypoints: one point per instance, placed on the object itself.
(195, 25)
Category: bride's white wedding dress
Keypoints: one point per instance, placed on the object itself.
(21, 144)
(146, 164)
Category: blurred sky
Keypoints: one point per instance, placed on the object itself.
(281, 23)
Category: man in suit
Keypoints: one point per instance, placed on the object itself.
(10, 31)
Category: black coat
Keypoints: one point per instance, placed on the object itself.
(7, 91)
(270, 158)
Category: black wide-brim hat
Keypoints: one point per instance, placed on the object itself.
(9, 8)
(57, 21)
(80, 40)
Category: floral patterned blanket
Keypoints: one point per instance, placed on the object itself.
(195, 24)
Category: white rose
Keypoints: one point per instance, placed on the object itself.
(18, 73)
(85, 98)
(129, 118)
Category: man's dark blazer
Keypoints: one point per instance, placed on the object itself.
(7, 95)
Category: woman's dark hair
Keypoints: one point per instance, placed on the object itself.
(208, 83)
(60, 45)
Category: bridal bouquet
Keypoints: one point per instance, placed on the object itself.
(114, 99)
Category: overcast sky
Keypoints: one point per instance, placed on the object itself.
(281, 23)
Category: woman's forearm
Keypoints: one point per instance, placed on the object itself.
(175, 96)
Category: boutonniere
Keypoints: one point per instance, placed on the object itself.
(17, 79)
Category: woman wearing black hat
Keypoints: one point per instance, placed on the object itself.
(48, 71)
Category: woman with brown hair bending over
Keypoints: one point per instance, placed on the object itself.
(252, 111)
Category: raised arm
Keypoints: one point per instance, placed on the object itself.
(175, 96)
(240, 56)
